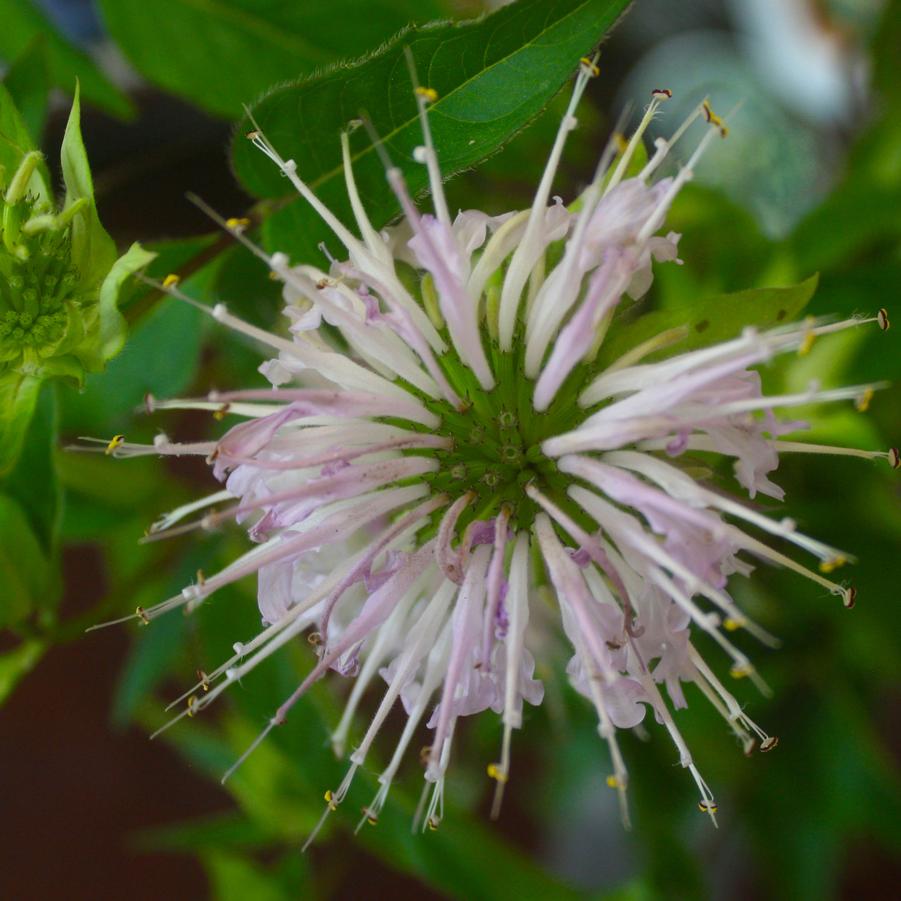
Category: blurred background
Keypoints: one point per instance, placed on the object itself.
(808, 181)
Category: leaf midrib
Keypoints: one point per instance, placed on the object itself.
(336, 170)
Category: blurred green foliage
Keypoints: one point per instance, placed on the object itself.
(799, 814)
(24, 24)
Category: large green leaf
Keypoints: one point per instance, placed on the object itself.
(22, 22)
(492, 77)
(711, 320)
(222, 53)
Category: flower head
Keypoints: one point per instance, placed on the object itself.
(440, 448)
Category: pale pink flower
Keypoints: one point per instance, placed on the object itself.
(400, 496)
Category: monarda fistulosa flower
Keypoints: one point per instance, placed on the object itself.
(417, 485)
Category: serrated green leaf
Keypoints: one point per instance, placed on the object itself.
(28, 82)
(712, 320)
(93, 250)
(221, 54)
(492, 77)
(23, 22)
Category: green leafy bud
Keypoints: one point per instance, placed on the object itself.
(60, 279)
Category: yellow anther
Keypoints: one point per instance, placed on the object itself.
(219, 414)
(141, 613)
(371, 816)
(882, 319)
(590, 66)
(171, 280)
(237, 224)
(252, 135)
(201, 578)
(863, 402)
(614, 782)
(430, 95)
(203, 679)
(114, 442)
(661, 94)
(192, 705)
(433, 823)
(769, 743)
(741, 671)
(715, 120)
(707, 806)
(497, 773)
(620, 141)
(833, 563)
(894, 457)
(731, 624)
(330, 800)
(806, 344)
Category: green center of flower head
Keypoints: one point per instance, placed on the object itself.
(39, 287)
(35, 294)
(497, 436)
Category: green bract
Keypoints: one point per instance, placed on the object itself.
(60, 279)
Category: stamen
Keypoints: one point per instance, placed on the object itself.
(430, 95)
(849, 597)
(656, 99)
(590, 64)
(714, 119)
(447, 558)
(809, 336)
(524, 257)
(115, 442)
